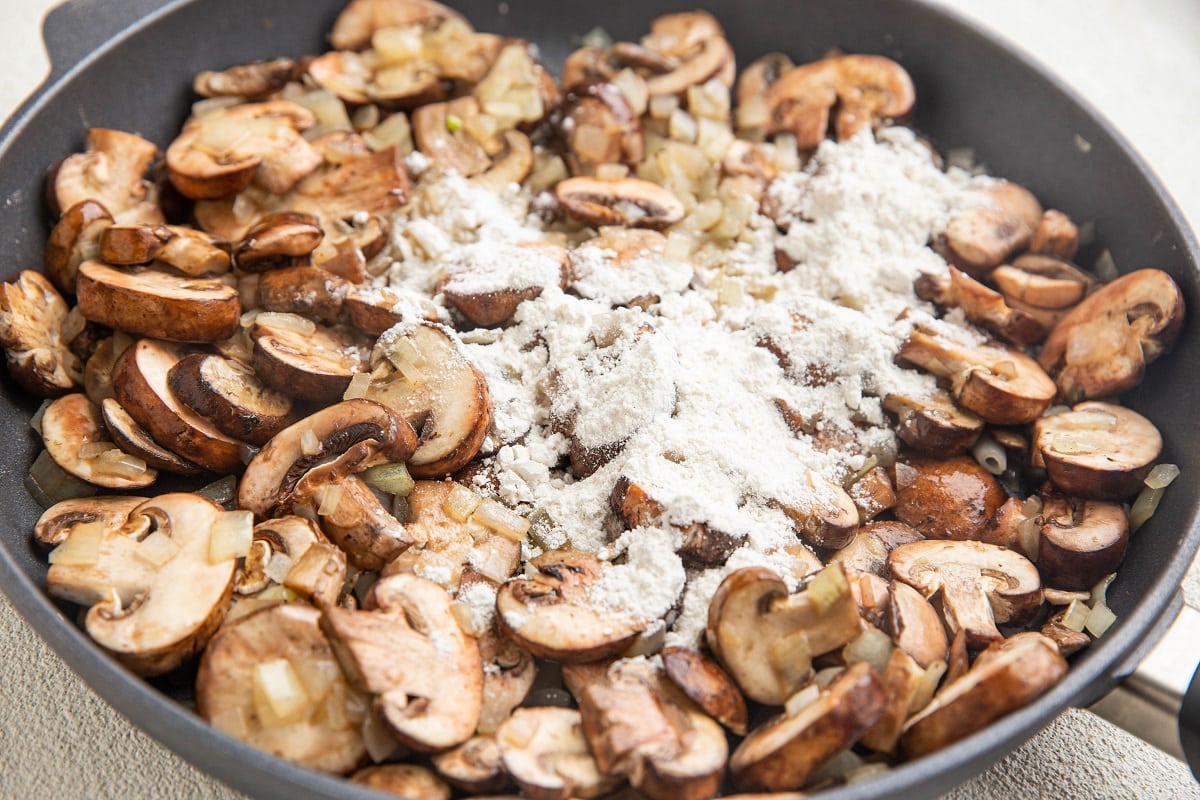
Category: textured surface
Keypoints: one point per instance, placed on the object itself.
(1141, 69)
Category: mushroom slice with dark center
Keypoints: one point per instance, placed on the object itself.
(75, 437)
(981, 305)
(141, 385)
(190, 251)
(598, 127)
(147, 302)
(865, 90)
(693, 46)
(310, 362)
(872, 542)
(766, 638)
(1001, 385)
(229, 395)
(1042, 281)
(277, 240)
(708, 686)
(221, 153)
(1014, 673)
(152, 609)
(933, 425)
(701, 543)
(352, 516)
(373, 309)
(1096, 450)
(1056, 235)
(783, 753)
(1102, 346)
(137, 441)
(981, 237)
(32, 314)
(111, 172)
(980, 584)
(552, 613)
(108, 511)
(74, 239)
(1081, 541)
(639, 725)
(474, 766)
(752, 86)
(253, 81)
(545, 751)
(491, 281)
(823, 513)
(629, 201)
(409, 781)
(421, 371)
(391, 651)
(360, 19)
(271, 680)
(916, 627)
(308, 291)
(315, 569)
(948, 499)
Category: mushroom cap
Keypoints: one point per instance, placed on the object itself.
(902, 680)
(74, 239)
(305, 290)
(277, 239)
(933, 425)
(545, 751)
(981, 305)
(981, 237)
(136, 440)
(316, 364)
(358, 21)
(872, 543)
(628, 201)
(229, 395)
(190, 251)
(474, 766)
(410, 781)
(598, 127)
(112, 173)
(32, 313)
(252, 81)
(226, 689)
(72, 421)
(1081, 541)
(509, 672)
(948, 499)
(354, 519)
(708, 686)
(1097, 450)
(57, 521)
(915, 626)
(1043, 281)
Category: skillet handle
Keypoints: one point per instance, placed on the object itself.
(1159, 701)
(75, 29)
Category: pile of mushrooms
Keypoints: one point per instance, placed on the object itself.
(236, 338)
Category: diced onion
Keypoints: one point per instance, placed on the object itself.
(872, 646)
(1032, 505)
(280, 697)
(278, 566)
(381, 745)
(460, 503)
(231, 535)
(866, 772)
(287, 322)
(82, 546)
(838, 767)
(990, 455)
(466, 619)
(1088, 421)
(231, 721)
(662, 106)
(1162, 475)
(496, 516)
(1099, 594)
(1076, 615)
(331, 497)
(801, 700)
(491, 563)
(828, 588)
(1099, 620)
(360, 382)
(1106, 267)
(1144, 506)
(682, 126)
(117, 462)
(48, 483)
(1029, 538)
(316, 675)
(157, 548)
(390, 478)
(611, 172)
(392, 132)
(310, 445)
(89, 450)
(926, 686)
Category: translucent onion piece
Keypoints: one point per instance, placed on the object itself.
(1100, 590)
(82, 546)
(331, 497)
(391, 478)
(926, 687)
(1162, 475)
(1144, 506)
(381, 745)
(310, 445)
(278, 566)
(1089, 421)
(360, 382)
(48, 483)
(460, 503)
(280, 697)
(1029, 537)
(1076, 615)
(117, 462)
(1106, 267)
(872, 646)
(663, 105)
(1099, 620)
(990, 455)
(801, 700)
(231, 722)
(496, 516)
(287, 322)
(317, 675)
(157, 548)
(231, 535)
(89, 450)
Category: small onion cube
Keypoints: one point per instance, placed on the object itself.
(231, 722)
(501, 519)
(927, 685)
(381, 745)
(1144, 506)
(872, 646)
(1076, 615)
(1162, 475)
(118, 462)
(231, 535)
(331, 497)
(828, 588)
(310, 445)
(157, 548)
(360, 382)
(89, 450)
(801, 700)
(82, 546)
(1099, 620)
(278, 566)
(313, 569)
(282, 694)
(317, 675)
(393, 479)
(460, 503)
(1100, 590)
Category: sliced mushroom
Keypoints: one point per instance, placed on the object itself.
(32, 314)
(147, 302)
(872, 542)
(708, 686)
(424, 375)
(360, 19)
(783, 753)
(902, 679)
(278, 240)
(352, 516)
(364, 185)
(826, 517)
(701, 543)
(74, 239)
(75, 437)
(220, 154)
(1102, 346)
(551, 613)
(872, 493)
(865, 90)
(403, 780)
(915, 626)
(767, 638)
(110, 511)
(270, 679)
(389, 652)
(629, 201)
(488, 291)
(1099, 451)
(1056, 235)
(1042, 281)
(308, 291)
(598, 126)
(359, 79)
(229, 395)
(450, 146)
(1067, 641)
(97, 372)
(981, 305)
(253, 81)
(316, 570)
(311, 364)
(134, 439)
(954, 498)
(141, 384)
(1002, 386)
(933, 425)
(760, 75)
(983, 236)
(374, 309)
(694, 44)
(547, 755)
(980, 584)
(1017, 671)
(512, 161)
(112, 173)
(190, 251)
(509, 672)
(152, 618)
(1081, 541)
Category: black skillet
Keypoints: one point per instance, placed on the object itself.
(129, 65)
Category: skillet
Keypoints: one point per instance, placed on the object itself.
(1020, 122)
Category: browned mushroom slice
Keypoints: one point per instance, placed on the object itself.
(708, 686)
(190, 251)
(230, 396)
(362, 185)
(915, 626)
(872, 493)
(1056, 235)
(270, 679)
(389, 651)
(248, 81)
(933, 425)
(980, 584)
(783, 753)
(767, 638)
(948, 499)
(599, 127)
(140, 381)
(759, 76)
(360, 19)
(221, 153)
(75, 437)
(316, 570)
(359, 79)
(137, 441)
(512, 161)
(497, 278)
(547, 755)
(866, 90)
(110, 511)
(701, 543)
(112, 173)
(640, 726)
(308, 291)
(32, 314)
(981, 237)
(352, 517)
(1096, 450)
(1067, 640)
(902, 679)
(277, 240)
(152, 609)
(403, 780)
(425, 376)
(1102, 346)
(1081, 542)
(474, 766)
(1042, 281)
(872, 542)
(1002, 386)
(694, 45)
(97, 372)
(74, 239)
(629, 201)
(147, 302)
(824, 515)
(374, 309)
(1017, 671)
(450, 146)
(552, 615)
(306, 361)
(981, 305)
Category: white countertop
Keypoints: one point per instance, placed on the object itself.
(1138, 62)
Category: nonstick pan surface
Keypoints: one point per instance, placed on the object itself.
(130, 67)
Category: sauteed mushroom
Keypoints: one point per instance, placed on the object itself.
(247, 81)
(111, 173)
(545, 752)
(1081, 541)
(980, 237)
(981, 305)
(278, 240)
(190, 251)
(75, 437)
(74, 239)
(708, 686)
(1097, 450)
(32, 313)
(629, 201)
(933, 425)
(403, 780)
(949, 499)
